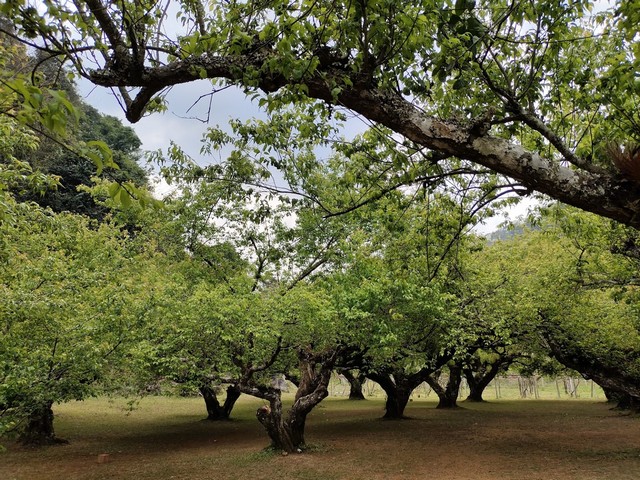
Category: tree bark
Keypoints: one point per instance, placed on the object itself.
(355, 384)
(39, 427)
(315, 374)
(397, 400)
(271, 419)
(287, 432)
(398, 387)
(215, 411)
(475, 391)
(479, 376)
(447, 395)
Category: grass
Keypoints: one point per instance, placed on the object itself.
(503, 388)
(165, 438)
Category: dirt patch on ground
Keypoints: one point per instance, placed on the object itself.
(165, 439)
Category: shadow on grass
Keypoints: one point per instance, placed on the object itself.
(166, 438)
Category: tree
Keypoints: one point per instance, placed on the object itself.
(260, 334)
(532, 91)
(230, 238)
(37, 98)
(398, 293)
(447, 394)
(76, 172)
(72, 301)
(497, 323)
(356, 380)
(597, 333)
(567, 290)
(481, 369)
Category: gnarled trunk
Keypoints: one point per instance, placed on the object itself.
(397, 400)
(447, 395)
(398, 387)
(475, 391)
(315, 374)
(623, 401)
(271, 419)
(39, 427)
(355, 384)
(479, 376)
(287, 432)
(215, 411)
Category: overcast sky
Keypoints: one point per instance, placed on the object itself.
(183, 123)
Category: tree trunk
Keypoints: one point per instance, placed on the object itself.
(287, 434)
(623, 401)
(479, 378)
(612, 397)
(271, 419)
(447, 395)
(315, 375)
(398, 388)
(215, 411)
(397, 400)
(475, 392)
(39, 427)
(355, 384)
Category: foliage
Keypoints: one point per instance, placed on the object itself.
(302, 244)
(397, 294)
(76, 173)
(521, 89)
(72, 301)
(73, 141)
(566, 289)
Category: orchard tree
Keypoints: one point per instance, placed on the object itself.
(356, 381)
(400, 288)
(228, 238)
(597, 332)
(565, 289)
(71, 290)
(498, 318)
(393, 328)
(543, 93)
(249, 337)
(302, 324)
(482, 368)
(73, 296)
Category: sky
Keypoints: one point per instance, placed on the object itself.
(184, 122)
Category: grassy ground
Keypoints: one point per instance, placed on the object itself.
(165, 438)
(508, 387)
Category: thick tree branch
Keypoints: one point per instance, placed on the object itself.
(539, 126)
(110, 29)
(602, 193)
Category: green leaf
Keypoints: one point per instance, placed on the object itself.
(114, 189)
(125, 198)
